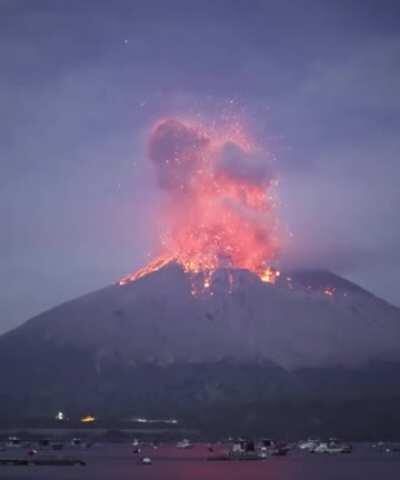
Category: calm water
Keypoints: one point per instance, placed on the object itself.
(113, 462)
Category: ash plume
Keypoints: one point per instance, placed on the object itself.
(220, 206)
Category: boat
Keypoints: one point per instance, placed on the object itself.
(308, 445)
(14, 461)
(58, 461)
(270, 447)
(266, 445)
(185, 443)
(13, 442)
(75, 442)
(392, 448)
(280, 450)
(332, 447)
(246, 450)
(43, 460)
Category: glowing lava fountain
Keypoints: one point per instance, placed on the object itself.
(220, 208)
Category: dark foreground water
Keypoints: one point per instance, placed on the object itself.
(117, 462)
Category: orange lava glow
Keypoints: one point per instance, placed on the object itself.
(152, 266)
(220, 208)
(88, 419)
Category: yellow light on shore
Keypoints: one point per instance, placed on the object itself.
(88, 419)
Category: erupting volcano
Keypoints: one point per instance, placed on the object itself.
(199, 336)
(221, 201)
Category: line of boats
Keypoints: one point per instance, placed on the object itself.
(14, 442)
(330, 446)
(244, 449)
(249, 450)
(38, 453)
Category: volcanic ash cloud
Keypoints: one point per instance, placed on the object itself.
(220, 208)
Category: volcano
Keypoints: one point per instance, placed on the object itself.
(209, 331)
(311, 353)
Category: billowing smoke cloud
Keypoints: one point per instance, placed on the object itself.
(176, 151)
(252, 168)
(220, 207)
(179, 151)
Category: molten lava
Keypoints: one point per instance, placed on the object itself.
(220, 201)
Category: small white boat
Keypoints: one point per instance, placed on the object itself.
(185, 443)
(145, 461)
(332, 447)
(308, 445)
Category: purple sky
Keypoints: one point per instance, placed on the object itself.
(81, 81)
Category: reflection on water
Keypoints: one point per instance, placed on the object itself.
(118, 462)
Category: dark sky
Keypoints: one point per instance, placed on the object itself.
(81, 81)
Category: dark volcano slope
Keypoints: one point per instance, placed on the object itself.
(261, 359)
(218, 398)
